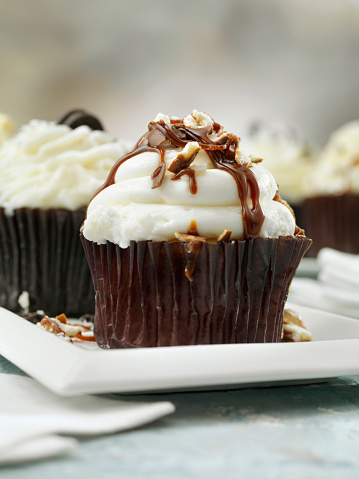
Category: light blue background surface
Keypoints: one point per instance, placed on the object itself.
(309, 431)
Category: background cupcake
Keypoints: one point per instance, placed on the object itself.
(188, 242)
(287, 156)
(48, 173)
(331, 210)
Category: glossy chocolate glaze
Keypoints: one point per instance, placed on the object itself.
(221, 153)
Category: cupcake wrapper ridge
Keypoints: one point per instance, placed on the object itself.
(332, 222)
(40, 252)
(144, 299)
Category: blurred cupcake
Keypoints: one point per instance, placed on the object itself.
(332, 208)
(48, 173)
(6, 127)
(188, 242)
(287, 156)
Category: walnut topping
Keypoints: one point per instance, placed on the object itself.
(198, 119)
(62, 318)
(193, 246)
(161, 116)
(155, 138)
(255, 159)
(189, 238)
(293, 328)
(185, 158)
(158, 175)
(225, 236)
(50, 325)
(80, 330)
(241, 156)
(299, 232)
(193, 242)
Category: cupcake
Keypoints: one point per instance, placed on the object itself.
(188, 242)
(287, 156)
(331, 210)
(48, 173)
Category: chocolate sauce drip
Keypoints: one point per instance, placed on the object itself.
(76, 118)
(221, 153)
(158, 175)
(192, 230)
(192, 178)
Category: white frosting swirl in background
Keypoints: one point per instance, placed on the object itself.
(47, 165)
(286, 155)
(6, 127)
(131, 210)
(337, 171)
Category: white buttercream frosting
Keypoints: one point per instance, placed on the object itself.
(47, 165)
(6, 127)
(337, 171)
(286, 155)
(130, 209)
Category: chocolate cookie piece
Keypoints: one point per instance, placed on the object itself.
(76, 118)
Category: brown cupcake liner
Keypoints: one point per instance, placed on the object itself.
(332, 221)
(40, 252)
(144, 299)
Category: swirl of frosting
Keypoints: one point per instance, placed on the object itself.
(180, 174)
(49, 165)
(286, 155)
(337, 171)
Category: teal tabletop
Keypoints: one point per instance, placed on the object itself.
(307, 431)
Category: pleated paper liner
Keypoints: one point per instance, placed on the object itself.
(144, 299)
(41, 253)
(333, 222)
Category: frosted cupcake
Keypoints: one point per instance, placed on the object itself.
(331, 211)
(48, 173)
(188, 242)
(287, 156)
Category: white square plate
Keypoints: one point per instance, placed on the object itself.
(70, 369)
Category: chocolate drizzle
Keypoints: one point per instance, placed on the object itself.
(192, 178)
(222, 154)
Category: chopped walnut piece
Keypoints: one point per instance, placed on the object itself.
(255, 159)
(158, 175)
(299, 231)
(198, 119)
(185, 158)
(192, 241)
(62, 318)
(225, 236)
(293, 328)
(241, 156)
(161, 116)
(189, 238)
(50, 325)
(155, 137)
